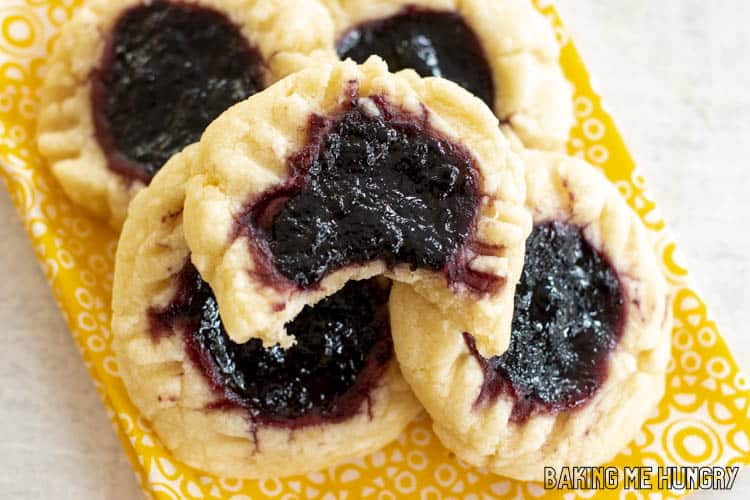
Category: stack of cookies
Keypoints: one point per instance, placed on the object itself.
(337, 214)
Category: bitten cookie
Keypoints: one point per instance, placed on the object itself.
(502, 51)
(131, 82)
(590, 342)
(347, 172)
(240, 409)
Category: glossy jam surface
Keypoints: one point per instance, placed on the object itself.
(433, 43)
(369, 186)
(568, 316)
(343, 346)
(168, 70)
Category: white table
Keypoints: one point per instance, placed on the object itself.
(676, 77)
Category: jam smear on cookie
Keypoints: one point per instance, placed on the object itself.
(432, 43)
(343, 346)
(568, 317)
(373, 182)
(167, 71)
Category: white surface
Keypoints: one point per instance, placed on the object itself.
(55, 439)
(676, 77)
(674, 74)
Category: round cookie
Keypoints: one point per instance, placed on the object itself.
(242, 410)
(129, 83)
(346, 172)
(503, 51)
(590, 342)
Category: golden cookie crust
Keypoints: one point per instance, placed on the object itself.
(447, 379)
(533, 99)
(279, 29)
(244, 153)
(173, 393)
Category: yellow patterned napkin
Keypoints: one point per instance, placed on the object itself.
(704, 419)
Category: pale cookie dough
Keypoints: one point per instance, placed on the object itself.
(67, 130)
(532, 98)
(244, 155)
(175, 395)
(481, 427)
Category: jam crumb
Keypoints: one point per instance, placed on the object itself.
(343, 346)
(371, 184)
(432, 43)
(568, 317)
(168, 69)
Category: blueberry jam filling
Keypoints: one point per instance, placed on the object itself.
(167, 71)
(432, 43)
(568, 317)
(343, 346)
(374, 182)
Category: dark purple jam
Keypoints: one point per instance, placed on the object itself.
(343, 346)
(168, 70)
(368, 187)
(432, 43)
(568, 316)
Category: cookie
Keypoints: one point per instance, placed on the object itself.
(590, 342)
(242, 410)
(502, 51)
(347, 172)
(130, 83)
